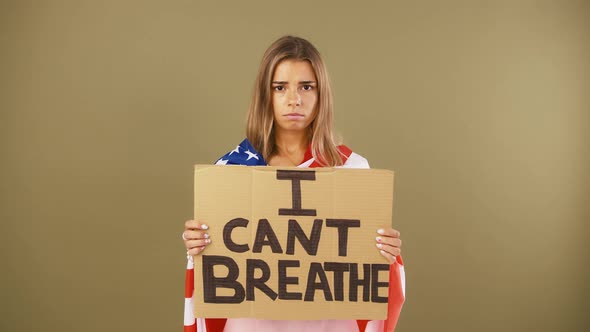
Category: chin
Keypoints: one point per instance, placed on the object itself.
(293, 128)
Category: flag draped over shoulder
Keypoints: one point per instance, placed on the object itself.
(245, 154)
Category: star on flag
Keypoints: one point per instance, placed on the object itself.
(243, 154)
(251, 155)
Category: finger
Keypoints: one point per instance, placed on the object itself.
(197, 243)
(191, 224)
(391, 241)
(394, 251)
(195, 225)
(195, 235)
(390, 258)
(195, 251)
(388, 231)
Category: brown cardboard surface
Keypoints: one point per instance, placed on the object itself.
(251, 199)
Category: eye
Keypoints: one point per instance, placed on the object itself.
(279, 88)
(308, 87)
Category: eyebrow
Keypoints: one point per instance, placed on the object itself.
(301, 82)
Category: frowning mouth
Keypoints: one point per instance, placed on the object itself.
(293, 116)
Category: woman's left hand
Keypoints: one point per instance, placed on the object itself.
(389, 243)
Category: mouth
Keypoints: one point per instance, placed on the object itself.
(293, 116)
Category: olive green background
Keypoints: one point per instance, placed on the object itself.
(482, 108)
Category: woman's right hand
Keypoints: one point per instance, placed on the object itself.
(195, 237)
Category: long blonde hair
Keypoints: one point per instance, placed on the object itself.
(260, 125)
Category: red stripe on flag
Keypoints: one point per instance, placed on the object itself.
(189, 283)
(362, 325)
(345, 152)
(215, 324)
(396, 297)
(192, 328)
(308, 155)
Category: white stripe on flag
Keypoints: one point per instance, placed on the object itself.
(201, 327)
(189, 316)
(402, 274)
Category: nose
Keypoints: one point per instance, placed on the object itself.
(294, 98)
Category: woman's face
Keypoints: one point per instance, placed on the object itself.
(294, 95)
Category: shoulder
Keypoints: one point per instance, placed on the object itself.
(243, 154)
(352, 159)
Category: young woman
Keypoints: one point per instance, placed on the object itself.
(290, 123)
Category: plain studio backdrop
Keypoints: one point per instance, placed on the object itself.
(480, 107)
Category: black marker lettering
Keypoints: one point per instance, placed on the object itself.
(263, 232)
(338, 269)
(284, 280)
(343, 225)
(228, 228)
(211, 282)
(315, 270)
(260, 283)
(355, 282)
(309, 244)
(296, 177)
(375, 284)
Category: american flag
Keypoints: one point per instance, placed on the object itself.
(245, 154)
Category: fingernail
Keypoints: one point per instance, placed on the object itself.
(378, 239)
(379, 245)
(204, 227)
(380, 231)
(206, 235)
(208, 240)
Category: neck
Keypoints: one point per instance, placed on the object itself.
(291, 143)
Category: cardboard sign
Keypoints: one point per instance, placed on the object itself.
(292, 243)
